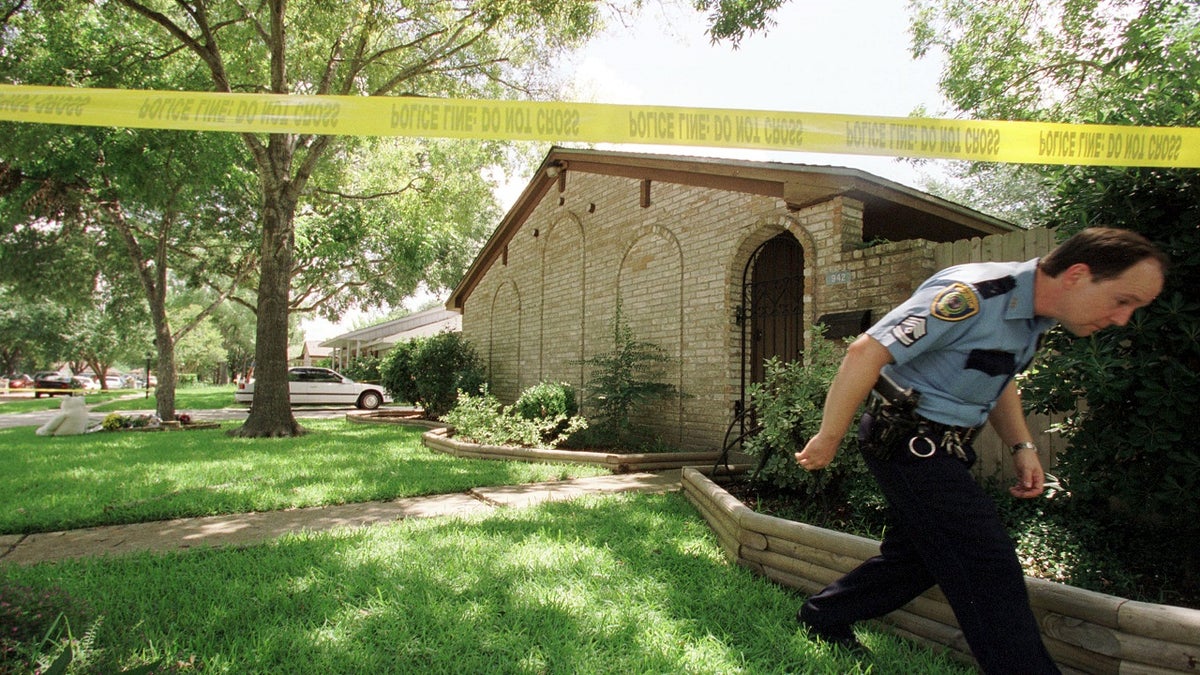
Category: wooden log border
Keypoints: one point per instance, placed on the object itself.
(441, 440)
(389, 417)
(1084, 630)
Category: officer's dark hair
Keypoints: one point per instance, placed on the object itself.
(1107, 251)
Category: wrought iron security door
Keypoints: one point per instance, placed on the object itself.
(771, 317)
(773, 291)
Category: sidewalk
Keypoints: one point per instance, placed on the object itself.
(242, 529)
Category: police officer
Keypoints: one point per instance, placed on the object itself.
(956, 344)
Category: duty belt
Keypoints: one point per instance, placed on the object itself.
(954, 439)
(894, 410)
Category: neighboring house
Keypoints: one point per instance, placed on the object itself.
(721, 262)
(378, 339)
(309, 354)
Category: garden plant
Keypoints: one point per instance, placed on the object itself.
(622, 382)
(542, 417)
(429, 372)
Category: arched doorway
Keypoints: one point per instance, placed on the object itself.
(772, 311)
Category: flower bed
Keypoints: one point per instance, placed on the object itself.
(118, 422)
(1085, 630)
(412, 417)
(441, 440)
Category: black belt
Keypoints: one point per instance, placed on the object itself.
(952, 438)
(893, 409)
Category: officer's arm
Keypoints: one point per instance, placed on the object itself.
(1008, 419)
(854, 380)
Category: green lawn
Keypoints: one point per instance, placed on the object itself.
(30, 404)
(612, 584)
(203, 397)
(64, 482)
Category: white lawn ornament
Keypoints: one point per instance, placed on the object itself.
(71, 420)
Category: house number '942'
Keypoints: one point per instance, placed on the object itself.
(842, 277)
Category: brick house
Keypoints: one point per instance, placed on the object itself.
(721, 262)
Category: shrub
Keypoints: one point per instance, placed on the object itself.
(788, 405)
(622, 380)
(444, 365)
(547, 399)
(440, 366)
(1132, 455)
(363, 369)
(482, 419)
(396, 371)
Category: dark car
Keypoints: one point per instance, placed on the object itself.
(52, 384)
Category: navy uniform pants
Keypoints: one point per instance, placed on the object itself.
(946, 532)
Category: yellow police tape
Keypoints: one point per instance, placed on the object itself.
(996, 141)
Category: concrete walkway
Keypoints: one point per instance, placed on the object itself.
(250, 528)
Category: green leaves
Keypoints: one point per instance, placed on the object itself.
(623, 380)
(735, 20)
(789, 405)
(431, 372)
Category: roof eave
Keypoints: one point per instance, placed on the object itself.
(771, 179)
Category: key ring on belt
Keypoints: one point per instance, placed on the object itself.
(912, 447)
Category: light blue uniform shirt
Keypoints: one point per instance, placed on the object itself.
(962, 336)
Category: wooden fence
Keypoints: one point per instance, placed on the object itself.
(1021, 245)
(994, 457)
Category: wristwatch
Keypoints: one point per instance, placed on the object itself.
(1023, 445)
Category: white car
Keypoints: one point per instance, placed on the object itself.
(321, 386)
(114, 382)
(85, 382)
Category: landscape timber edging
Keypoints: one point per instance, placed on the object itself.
(1084, 630)
(441, 440)
(391, 417)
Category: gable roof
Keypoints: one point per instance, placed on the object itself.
(886, 203)
(420, 324)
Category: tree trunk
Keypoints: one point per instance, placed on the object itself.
(271, 411)
(168, 380)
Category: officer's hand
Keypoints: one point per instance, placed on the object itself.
(1031, 479)
(817, 453)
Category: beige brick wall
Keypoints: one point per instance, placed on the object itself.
(677, 267)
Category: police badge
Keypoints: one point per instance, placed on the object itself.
(955, 303)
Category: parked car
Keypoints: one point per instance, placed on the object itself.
(51, 383)
(114, 382)
(321, 386)
(20, 381)
(84, 382)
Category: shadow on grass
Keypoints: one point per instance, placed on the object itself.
(624, 583)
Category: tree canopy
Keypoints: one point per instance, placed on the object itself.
(105, 215)
(373, 48)
(320, 203)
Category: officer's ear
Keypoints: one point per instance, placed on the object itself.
(1076, 274)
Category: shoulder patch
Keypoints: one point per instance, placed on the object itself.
(955, 303)
(908, 331)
